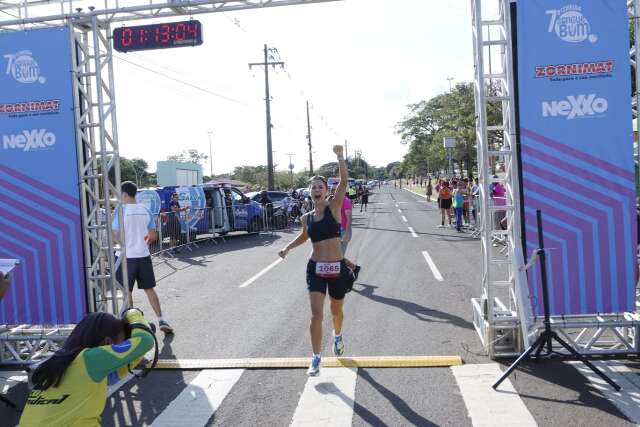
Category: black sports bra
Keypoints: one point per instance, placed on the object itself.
(327, 228)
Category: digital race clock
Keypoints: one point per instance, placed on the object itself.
(157, 36)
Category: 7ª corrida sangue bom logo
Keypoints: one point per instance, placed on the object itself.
(570, 25)
(24, 68)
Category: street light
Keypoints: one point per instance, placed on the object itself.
(450, 80)
(210, 155)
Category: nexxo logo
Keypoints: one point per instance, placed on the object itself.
(30, 140)
(23, 68)
(570, 24)
(581, 106)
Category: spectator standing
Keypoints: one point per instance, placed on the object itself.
(429, 190)
(139, 232)
(498, 195)
(458, 204)
(444, 202)
(5, 282)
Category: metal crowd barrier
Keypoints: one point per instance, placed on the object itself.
(281, 216)
(185, 229)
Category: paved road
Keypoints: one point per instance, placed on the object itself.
(397, 308)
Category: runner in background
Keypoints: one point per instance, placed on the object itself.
(429, 190)
(364, 199)
(346, 219)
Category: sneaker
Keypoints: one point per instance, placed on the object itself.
(356, 271)
(165, 327)
(338, 345)
(314, 367)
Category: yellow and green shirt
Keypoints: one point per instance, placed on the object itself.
(80, 397)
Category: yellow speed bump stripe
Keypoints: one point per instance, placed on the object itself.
(303, 362)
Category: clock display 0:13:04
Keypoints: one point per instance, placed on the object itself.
(157, 36)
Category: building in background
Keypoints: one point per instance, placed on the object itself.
(171, 172)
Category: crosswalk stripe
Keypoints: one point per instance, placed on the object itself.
(200, 399)
(486, 406)
(626, 400)
(328, 399)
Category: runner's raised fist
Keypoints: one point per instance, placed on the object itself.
(339, 150)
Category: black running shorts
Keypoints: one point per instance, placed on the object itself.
(338, 287)
(139, 270)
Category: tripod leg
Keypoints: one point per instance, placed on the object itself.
(514, 365)
(586, 361)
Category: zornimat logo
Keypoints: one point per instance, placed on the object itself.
(30, 140)
(23, 68)
(570, 25)
(581, 106)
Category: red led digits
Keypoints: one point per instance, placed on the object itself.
(181, 30)
(127, 37)
(157, 36)
(192, 29)
(165, 33)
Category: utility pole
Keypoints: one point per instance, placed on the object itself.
(266, 64)
(291, 167)
(210, 155)
(346, 151)
(309, 140)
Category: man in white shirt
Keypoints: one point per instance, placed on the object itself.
(139, 232)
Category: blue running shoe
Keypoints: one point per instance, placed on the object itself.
(314, 367)
(338, 345)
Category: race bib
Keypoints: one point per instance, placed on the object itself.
(328, 270)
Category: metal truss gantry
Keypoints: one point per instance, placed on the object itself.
(96, 139)
(502, 315)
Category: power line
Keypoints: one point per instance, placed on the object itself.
(191, 85)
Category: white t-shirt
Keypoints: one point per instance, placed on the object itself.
(138, 220)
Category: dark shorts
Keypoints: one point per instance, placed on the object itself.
(445, 203)
(338, 287)
(365, 200)
(139, 270)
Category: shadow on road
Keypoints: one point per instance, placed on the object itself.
(368, 416)
(557, 372)
(400, 405)
(416, 310)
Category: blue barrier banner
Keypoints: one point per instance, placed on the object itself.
(576, 148)
(40, 222)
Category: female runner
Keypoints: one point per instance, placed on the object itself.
(326, 268)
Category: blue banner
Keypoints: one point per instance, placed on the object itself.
(576, 149)
(40, 222)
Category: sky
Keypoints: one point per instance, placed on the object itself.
(358, 62)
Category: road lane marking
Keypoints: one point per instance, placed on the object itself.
(486, 406)
(400, 210)
(413, 232)
(303, 362)
(260, 274)
(327, 399)
(433, 267)
(404, 218)
(200, 399)
(626, 400)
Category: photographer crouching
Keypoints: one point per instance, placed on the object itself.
(70, 388)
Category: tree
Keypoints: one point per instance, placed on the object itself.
(191, 155)
(446, 115)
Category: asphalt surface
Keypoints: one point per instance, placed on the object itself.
(397, 308)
